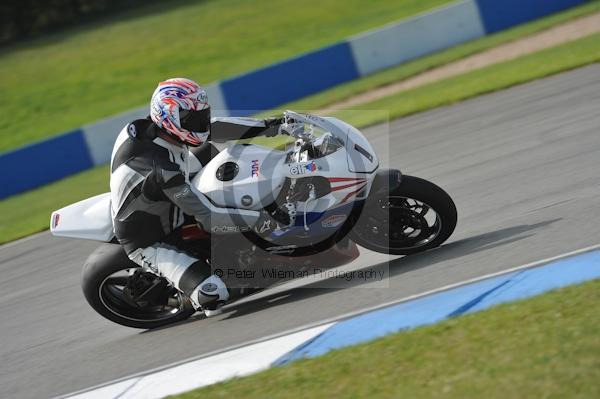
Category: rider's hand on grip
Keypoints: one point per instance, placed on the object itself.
(273, 121)
(273, 125)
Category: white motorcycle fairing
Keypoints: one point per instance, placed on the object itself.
(361, 155)
(256, 175)
(259, 173)
(88, 219)
(250, 176)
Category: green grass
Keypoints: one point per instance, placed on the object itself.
(500, 76)
(62, 81)
(28, 213)
(543, 347)
(17, 220)
(404, 71)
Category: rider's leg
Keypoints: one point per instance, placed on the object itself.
(188, 274)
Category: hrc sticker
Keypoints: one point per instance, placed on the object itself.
(255, 168)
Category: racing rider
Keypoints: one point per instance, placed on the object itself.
(150, 187)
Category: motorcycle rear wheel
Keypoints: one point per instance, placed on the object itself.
(416, 216)
(105, 277)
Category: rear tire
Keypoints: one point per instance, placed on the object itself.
(103, 291)
(398, 224)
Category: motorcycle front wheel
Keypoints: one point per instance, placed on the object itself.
(119, 290)
(416, 216)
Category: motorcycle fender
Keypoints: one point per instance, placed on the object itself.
(385, 181)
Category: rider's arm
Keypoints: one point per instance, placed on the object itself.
(177, 190)
(180, 193)
(230, 128)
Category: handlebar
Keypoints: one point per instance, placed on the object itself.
(295, 129)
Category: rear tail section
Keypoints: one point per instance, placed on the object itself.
(88, 219)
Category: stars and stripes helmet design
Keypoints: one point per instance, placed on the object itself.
(180, 106)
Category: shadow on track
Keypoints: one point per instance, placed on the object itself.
(395, 267)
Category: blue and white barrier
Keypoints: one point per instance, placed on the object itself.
(522, 282)
(497, 15)
(289, 80)
(286, 81)
(43, 162)
(424, 34)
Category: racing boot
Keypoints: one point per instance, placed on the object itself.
(210, 296)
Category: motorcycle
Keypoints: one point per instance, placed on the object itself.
(325, 192)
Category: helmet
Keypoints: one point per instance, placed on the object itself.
(180, 107)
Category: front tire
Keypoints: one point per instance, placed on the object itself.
(414, 217)
(106, 275)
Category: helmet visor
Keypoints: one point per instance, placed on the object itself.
(195, 121)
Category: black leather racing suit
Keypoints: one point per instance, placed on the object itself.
(151, 192)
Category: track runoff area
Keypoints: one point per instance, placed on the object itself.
(519, 163)
(361, 326)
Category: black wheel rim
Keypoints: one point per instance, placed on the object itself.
(114, 299)
(399, 223)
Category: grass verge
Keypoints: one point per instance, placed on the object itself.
(486, 80)
(409, 69)
(29, 213)
(17, 221)
(62, 81)
(546, 346)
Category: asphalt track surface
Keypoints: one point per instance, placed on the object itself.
(521, 164)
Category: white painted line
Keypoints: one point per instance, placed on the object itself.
(320, 326)
(443, 288)
(209, 370)
(455, 285)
